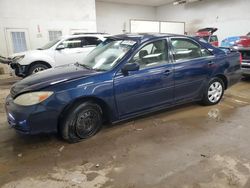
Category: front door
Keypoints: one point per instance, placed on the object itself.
(151, 86)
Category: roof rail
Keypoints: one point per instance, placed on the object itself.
(90, 33)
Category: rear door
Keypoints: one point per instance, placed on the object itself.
(150, 86)
(192, 67)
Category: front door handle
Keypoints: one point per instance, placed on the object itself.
(211, 62)
(167, 72)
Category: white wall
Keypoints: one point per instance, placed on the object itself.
(114, 18)
(48, 14)
(232, 17)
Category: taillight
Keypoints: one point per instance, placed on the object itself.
(243, 42)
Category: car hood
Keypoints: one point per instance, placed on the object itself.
(206, 31)
(26, 53)
(50, 77)
(18, 54)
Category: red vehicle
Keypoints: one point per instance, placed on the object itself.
(242, 44)
(207, 34)
(237, 41)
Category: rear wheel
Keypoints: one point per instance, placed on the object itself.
(37, 68)
(81, 121)
(214, 92)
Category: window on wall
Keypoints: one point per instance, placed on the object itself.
(18, 42)
(53, 35)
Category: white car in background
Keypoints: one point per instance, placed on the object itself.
(65, 50)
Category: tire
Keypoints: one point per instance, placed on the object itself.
(38, 67)
(214, 92)
(75, 127)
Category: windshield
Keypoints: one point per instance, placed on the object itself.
(107, 54)
(49, 45)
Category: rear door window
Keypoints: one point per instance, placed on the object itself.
(74, 43)
(185, 49)
(92, 41)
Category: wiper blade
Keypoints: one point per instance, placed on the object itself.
(89, 67)
(85, 66)
(101, 70)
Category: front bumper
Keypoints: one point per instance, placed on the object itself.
(20, 70)
(5, 60)
(31, 119)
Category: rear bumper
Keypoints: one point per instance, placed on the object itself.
(234, 77)
(246, 71)
(245, 67)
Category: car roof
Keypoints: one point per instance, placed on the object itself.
(85, 35)
(143, 37)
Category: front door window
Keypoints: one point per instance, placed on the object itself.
(152, 54)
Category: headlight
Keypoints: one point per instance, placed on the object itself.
(32, 98)
(19, 58)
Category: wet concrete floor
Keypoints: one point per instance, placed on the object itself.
(190, 146)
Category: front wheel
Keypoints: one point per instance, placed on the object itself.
(81, 121)
(37, 68)
(214, 92)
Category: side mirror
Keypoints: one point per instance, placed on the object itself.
(130, 67)
(60, 47)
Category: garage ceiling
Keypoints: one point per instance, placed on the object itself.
(140, 2)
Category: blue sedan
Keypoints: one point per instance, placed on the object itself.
(125, 76)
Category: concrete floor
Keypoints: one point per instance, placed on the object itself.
(190, 146)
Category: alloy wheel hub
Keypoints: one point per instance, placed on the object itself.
(214, 92)
(38, 69)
